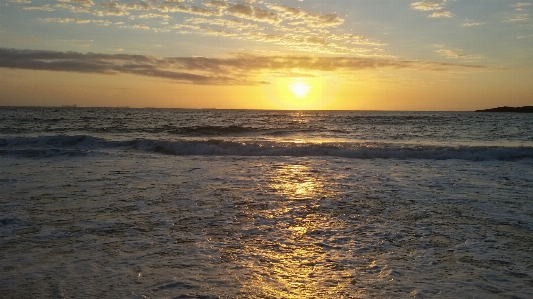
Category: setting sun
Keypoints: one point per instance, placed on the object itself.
(317, 92)
(299, 89)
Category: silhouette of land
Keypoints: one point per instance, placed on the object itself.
(524, 109)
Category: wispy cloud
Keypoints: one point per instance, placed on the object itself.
(519, 18)
(441, 14)
(252, 13)
(239, 69)
(452, 53)
(428, 5)
(43, 8)
(472, 24)
(260, 21)
(437, 6)
(455, 53)
(85, 3)
(521, 12)
(521, 5)
(77, 21)
(297, 16)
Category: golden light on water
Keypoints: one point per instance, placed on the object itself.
(294, 182)
(291, 261)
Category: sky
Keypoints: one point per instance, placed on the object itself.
(430, 55)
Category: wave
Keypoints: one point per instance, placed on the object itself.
(120, 128)
(211, 130)
(51, 146)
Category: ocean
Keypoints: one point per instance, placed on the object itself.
(176, 203)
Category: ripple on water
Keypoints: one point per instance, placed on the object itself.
(261, 227)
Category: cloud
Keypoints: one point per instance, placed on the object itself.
(441, 14)
(239, 69)
(522, 14)
(451, 53)
(519, 18)
(231, 23)
(436, 6)
(102, 9)
(43, 8)
(472, 24)
(153, 15)
(216, 3)
(298, 16)
(189, 9)
(262, 15)
(85, 3)
(295, 28)
(77, 21)
(96, 63)
(257, 21)
(141, 26)
(455, 53)
(428, 5)
(252, 13)
(240, 10)
(520, 5)
(138, 6)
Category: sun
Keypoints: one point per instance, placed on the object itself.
(296, 93)
(299, 89)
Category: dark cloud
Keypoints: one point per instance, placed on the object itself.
(240, 69)
(103, 64)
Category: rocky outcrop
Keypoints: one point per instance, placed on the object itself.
(523, 109)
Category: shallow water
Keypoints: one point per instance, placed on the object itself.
(128, 224)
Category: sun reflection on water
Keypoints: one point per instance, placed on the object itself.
(289, 258)
(297, 182)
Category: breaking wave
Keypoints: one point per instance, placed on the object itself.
(51, 146)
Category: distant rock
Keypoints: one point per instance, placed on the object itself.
(524, 109)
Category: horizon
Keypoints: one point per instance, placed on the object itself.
(429, 55)
(74, 106)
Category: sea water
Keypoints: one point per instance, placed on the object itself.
(171, 203)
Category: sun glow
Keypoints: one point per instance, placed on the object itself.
(308, 93)
(299, 88)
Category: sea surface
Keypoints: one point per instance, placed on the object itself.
(173, 203)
